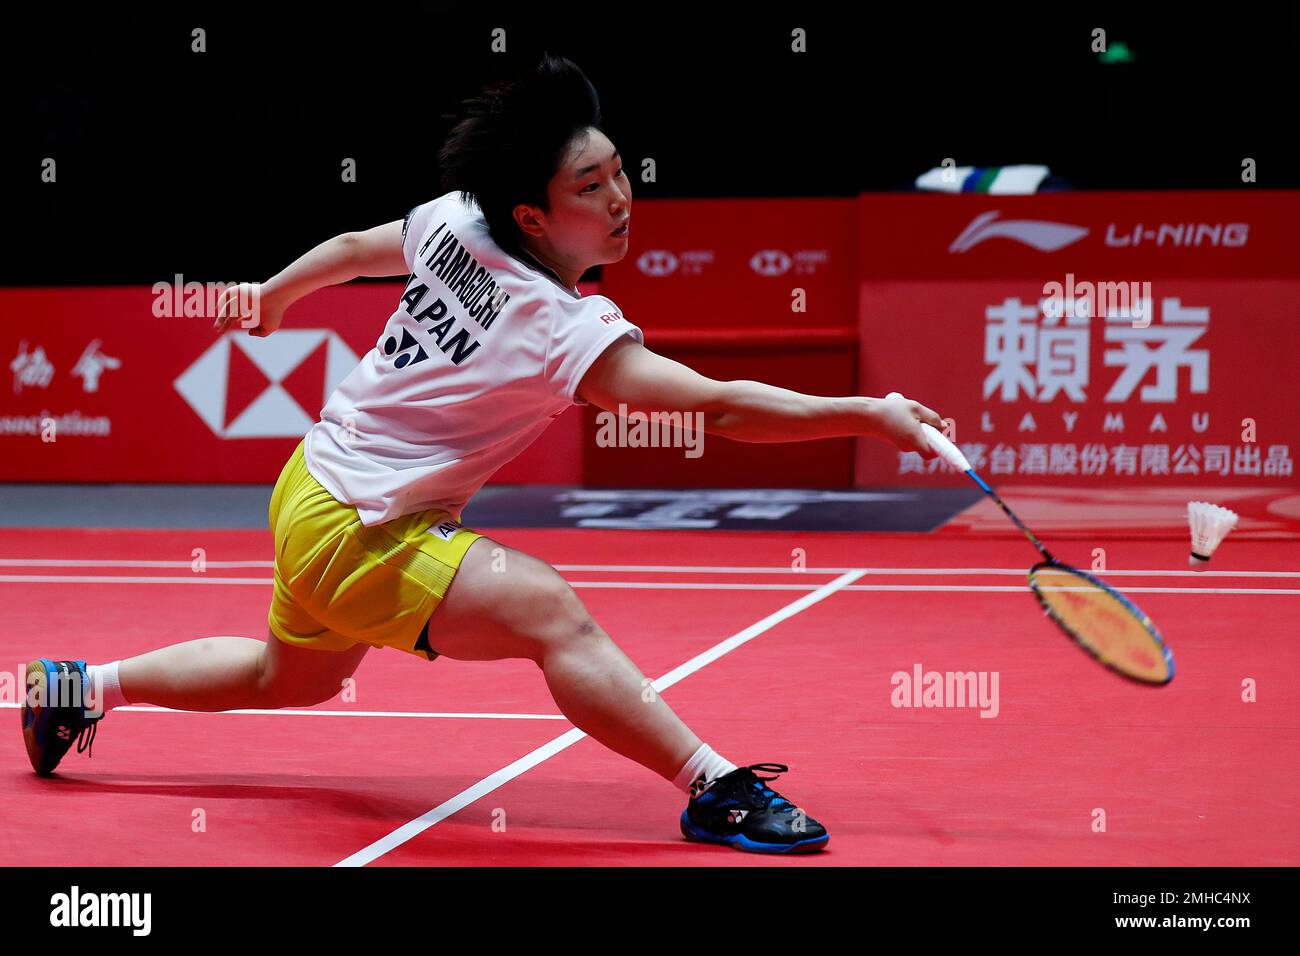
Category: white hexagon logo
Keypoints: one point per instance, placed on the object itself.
(273, 413)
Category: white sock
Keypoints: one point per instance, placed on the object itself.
(110, 690)
(705, 763)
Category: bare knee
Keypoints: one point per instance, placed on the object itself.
(560, 620)
(287, 683)
(519, 607)
(274, 694)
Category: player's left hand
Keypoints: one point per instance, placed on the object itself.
(248, 306)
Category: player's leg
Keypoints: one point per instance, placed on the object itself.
(65, 700)
(504, 603)
(236, 673)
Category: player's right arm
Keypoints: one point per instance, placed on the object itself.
(372, 252)
(628, 377)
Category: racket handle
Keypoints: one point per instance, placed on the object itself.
(945, 449)
(940, 444)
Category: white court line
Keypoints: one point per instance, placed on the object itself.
(660, 568)
(546, 751)
(650, 585)
(941, 588)
(122, 563)
(670, 569)
(148, 709)
(121, 579)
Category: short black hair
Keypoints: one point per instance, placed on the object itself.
(510, 138)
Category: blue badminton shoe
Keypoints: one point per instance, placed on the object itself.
(55, 712)
(739, 810)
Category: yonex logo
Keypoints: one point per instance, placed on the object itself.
(1039, 233)
(406, 357)
(657, 262)
(699, 785)
(770, 262)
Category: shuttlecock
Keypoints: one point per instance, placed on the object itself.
(1210, 525)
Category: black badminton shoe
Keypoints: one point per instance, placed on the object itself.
(739, 810)
(55, 712)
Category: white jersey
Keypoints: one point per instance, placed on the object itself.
(482, 352)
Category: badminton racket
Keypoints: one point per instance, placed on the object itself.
(1093, 614)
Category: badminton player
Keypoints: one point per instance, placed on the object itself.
(489, 342)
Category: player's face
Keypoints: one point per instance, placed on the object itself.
(590, 197)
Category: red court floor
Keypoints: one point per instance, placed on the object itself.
(450, 763)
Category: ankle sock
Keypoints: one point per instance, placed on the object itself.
(705, 763)
(111, 689)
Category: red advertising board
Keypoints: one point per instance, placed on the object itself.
(759, 289)
(738, 264)
(103, 388)
(713, 462)
(1087, 338)
(1198, 394)
(1082, 338)
(1128, 236)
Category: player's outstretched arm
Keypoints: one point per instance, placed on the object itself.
(372, 252)
(628, 377)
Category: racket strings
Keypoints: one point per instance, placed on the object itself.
(1103, 622)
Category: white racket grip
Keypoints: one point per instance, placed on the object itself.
(946, 450)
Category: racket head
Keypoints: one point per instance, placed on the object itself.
(1103, 622)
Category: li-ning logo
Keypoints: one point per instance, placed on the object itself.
(1040, 234)
(133, 910)
(1184, 234)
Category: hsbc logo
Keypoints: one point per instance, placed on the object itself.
(777, 262)
(657, 262)
(1040, 234)
(770, 262)
(273, 387)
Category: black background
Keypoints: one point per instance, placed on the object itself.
(227, 163)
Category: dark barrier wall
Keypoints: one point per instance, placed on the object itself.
(229, 162)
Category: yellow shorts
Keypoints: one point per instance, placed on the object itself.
(339, 583)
